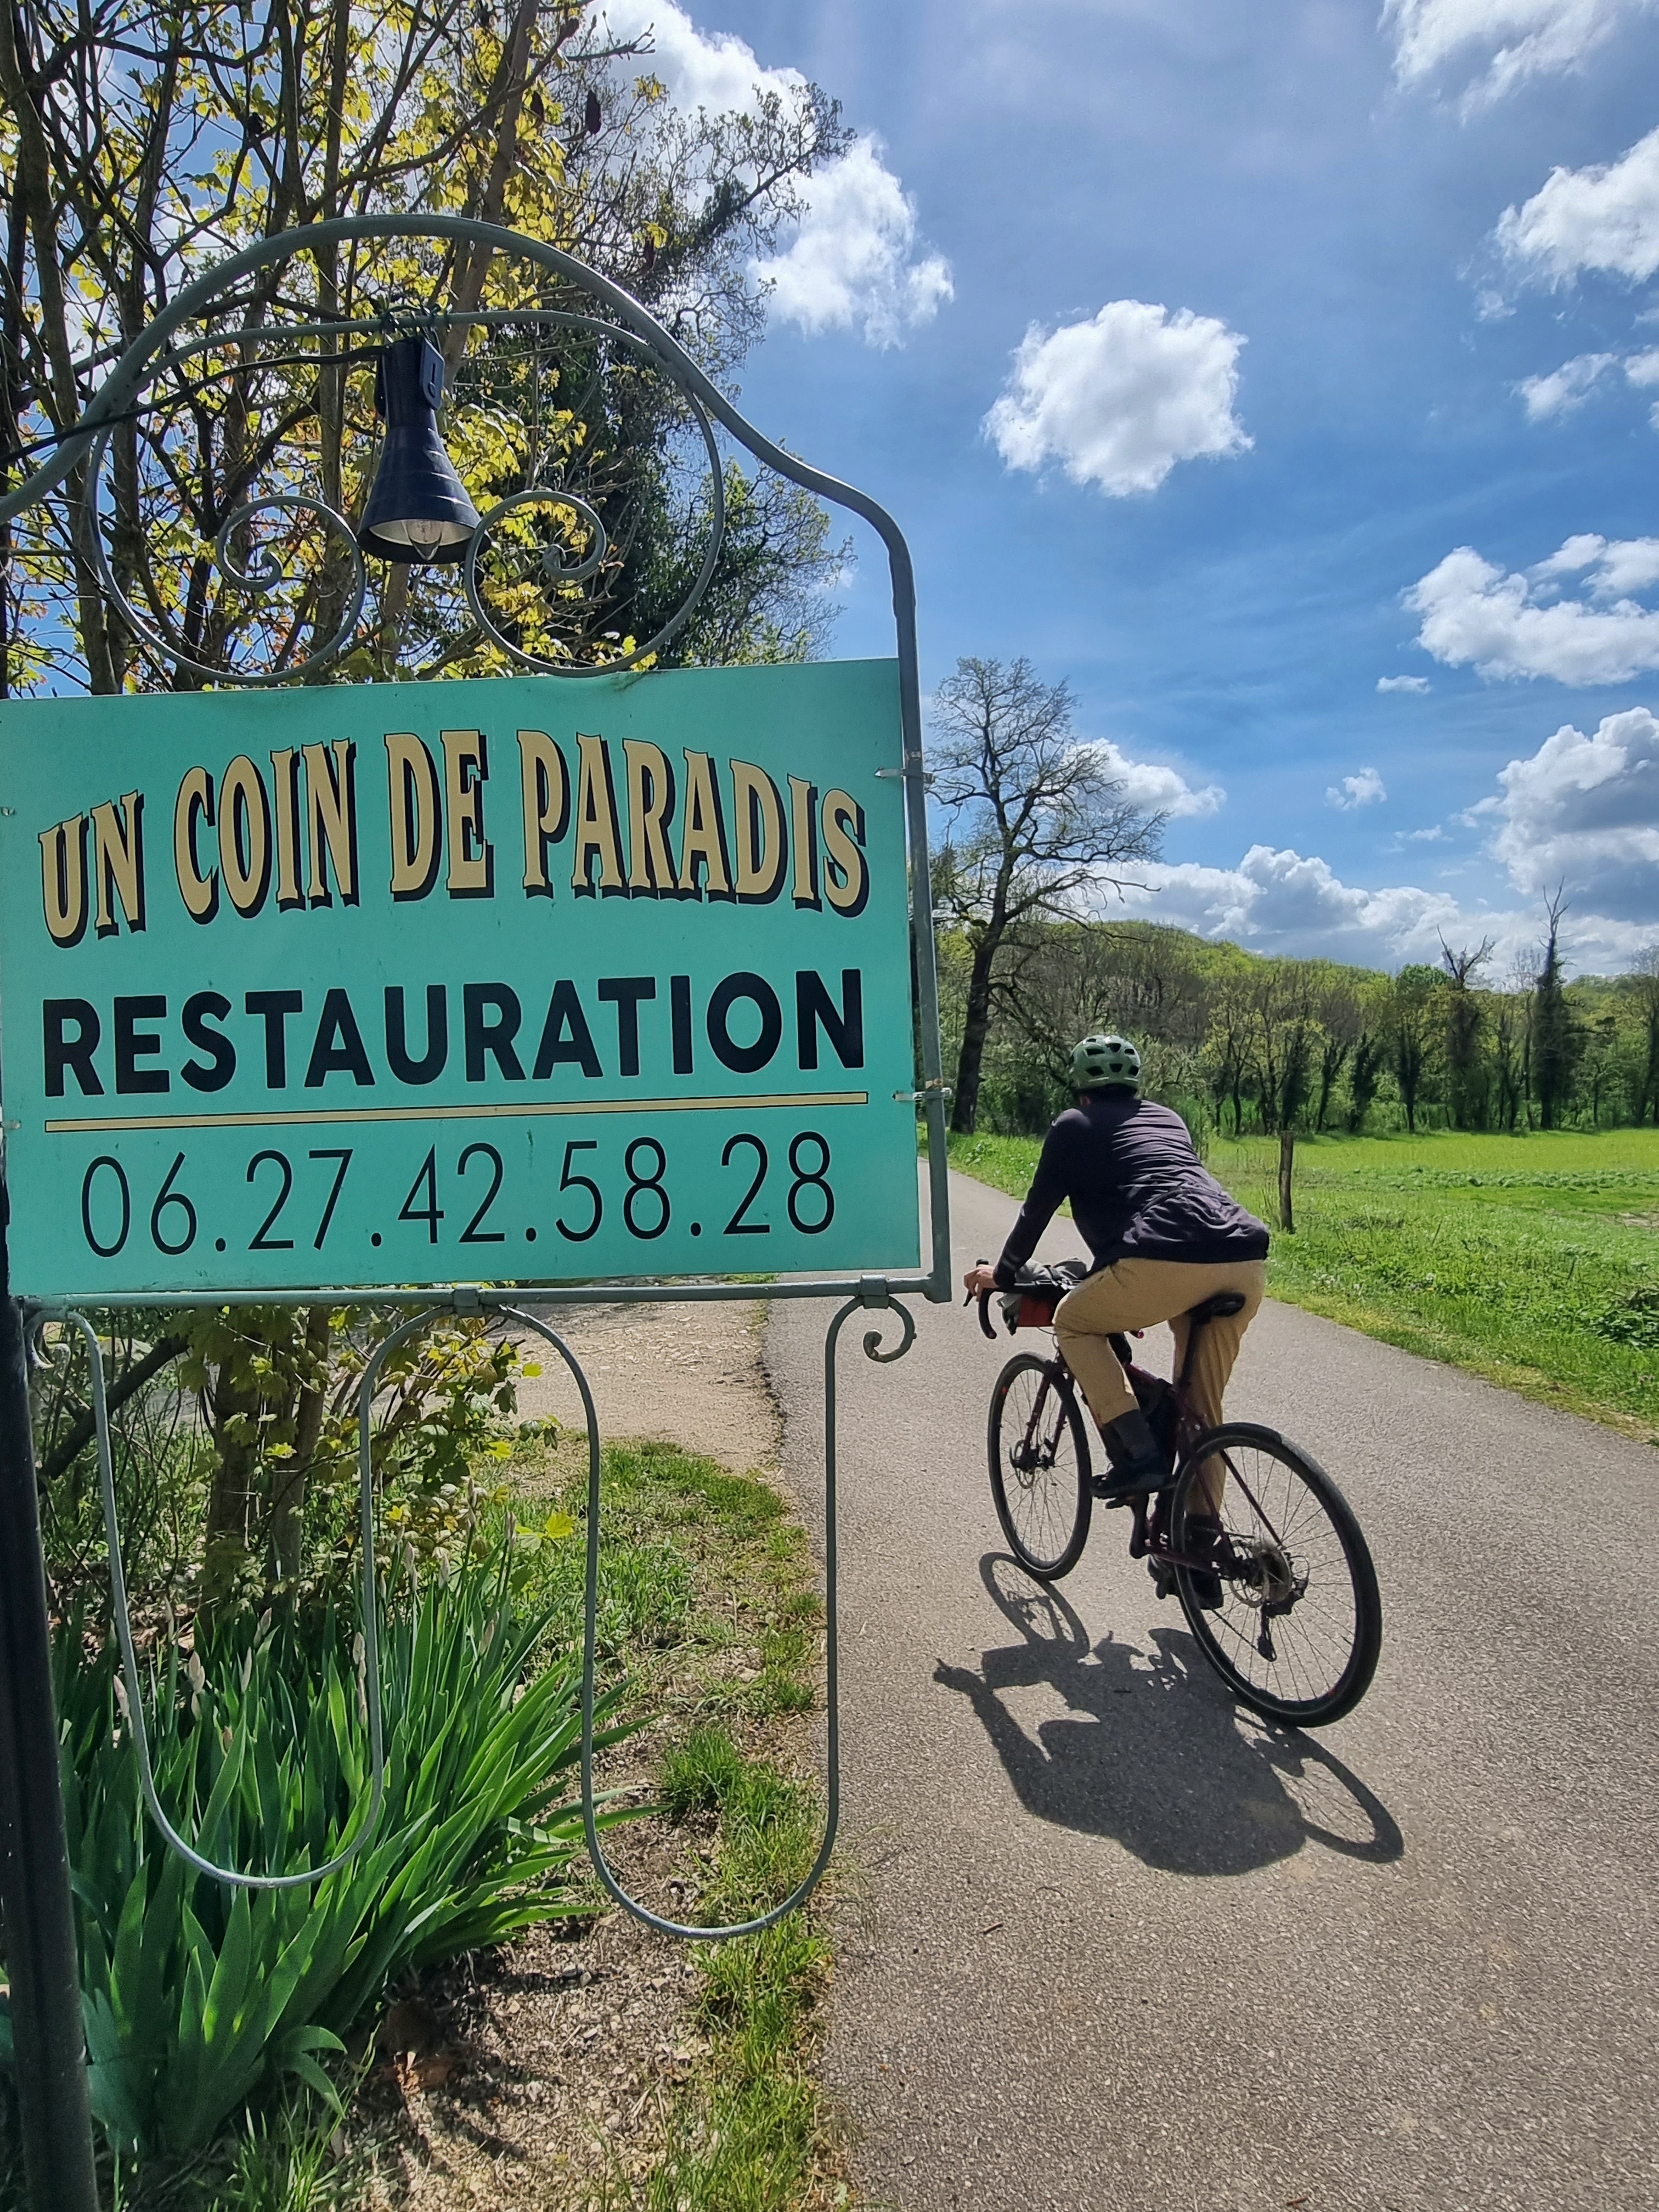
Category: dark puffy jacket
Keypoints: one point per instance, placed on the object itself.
(1139, 1191)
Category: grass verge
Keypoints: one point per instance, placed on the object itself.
(748, 2132)
(1531, 1260)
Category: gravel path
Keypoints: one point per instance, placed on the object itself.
(1109, 1943)
(688, 1374)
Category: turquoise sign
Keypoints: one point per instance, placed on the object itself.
(521, 980)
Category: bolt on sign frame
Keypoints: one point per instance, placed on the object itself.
(750, 1068)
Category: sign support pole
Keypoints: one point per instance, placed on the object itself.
(47, 2037)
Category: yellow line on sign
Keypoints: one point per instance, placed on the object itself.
(479, 1112)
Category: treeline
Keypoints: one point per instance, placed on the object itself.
(1242, 1043)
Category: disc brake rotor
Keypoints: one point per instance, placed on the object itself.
(1265, 1575)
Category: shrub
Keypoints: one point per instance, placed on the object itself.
(194, 1993)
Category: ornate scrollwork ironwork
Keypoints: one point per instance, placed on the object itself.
(559, 575)
(550, 614)
(872, 1336)
(257, 572)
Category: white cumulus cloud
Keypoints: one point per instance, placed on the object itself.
(1277, 901)
(700, 69)
(1584, 810)
(855, 258)
(1522, 623)
(1356, 791)
(1403, 683)
(1505, 41)
(1280, 901)
(1159, 788)
(1604, 218)
(1119, 399)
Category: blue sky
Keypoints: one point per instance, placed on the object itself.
(1225, 361)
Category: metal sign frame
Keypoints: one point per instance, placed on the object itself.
(46, 2004)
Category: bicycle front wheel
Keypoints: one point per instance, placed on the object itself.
(1299, 1627)
(1039, 1452)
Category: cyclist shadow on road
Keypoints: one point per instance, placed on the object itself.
(1160, 1756)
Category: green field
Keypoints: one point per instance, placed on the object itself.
(1533, 1260)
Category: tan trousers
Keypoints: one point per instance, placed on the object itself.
(1136, 1293)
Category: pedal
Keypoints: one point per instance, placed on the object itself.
(1163, 1577)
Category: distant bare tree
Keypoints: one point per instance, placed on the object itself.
(1282, 1045)
(1644, 988)
(1413, 1033)
(1466, 1088)
(1037, 826)
(1555, 1035)
(1340, 1023)
(1057, 983)
(1227, 1048)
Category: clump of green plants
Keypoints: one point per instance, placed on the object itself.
(1632, 1319)
(235, 1435)
(195, 1994)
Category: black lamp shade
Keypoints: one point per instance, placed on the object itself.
(417, 509)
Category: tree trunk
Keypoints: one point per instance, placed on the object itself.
(234, 1406)
(287, 1510)
(1286, 1168)
(64, 1450)
(964, 1106)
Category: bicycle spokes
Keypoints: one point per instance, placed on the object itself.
(1298, 1623)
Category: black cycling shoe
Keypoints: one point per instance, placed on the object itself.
(1202, 1541)
(1137, 1466)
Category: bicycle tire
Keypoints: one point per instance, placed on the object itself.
(1034, 1510)
(1328, 1665)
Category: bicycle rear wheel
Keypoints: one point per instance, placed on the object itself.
(1039, 1452)
(1300, 1627)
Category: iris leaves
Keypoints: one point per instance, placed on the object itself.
(194, 1993)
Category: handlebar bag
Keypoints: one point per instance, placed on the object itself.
(1038, 1292)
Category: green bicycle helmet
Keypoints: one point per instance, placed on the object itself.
(1102, 1059)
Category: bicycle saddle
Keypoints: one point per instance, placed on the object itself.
(1219, 1308)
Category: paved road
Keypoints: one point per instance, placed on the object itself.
(1115, 1946)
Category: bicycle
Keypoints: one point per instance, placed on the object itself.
(1298, 1627)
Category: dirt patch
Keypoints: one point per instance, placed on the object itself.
(688, 1375)
(540, 2075)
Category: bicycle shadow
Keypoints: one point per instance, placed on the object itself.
(1162, 1759)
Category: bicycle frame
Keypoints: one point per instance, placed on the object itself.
(1148, 1536)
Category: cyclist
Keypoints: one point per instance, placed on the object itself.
(1163, 1236)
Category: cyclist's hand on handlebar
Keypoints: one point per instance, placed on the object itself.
(980, 1281)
